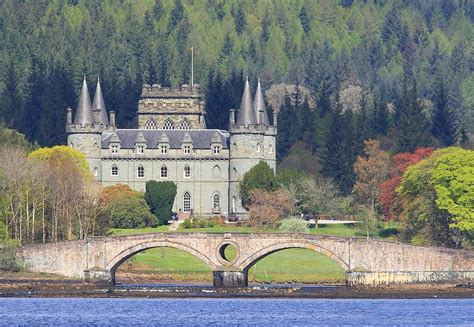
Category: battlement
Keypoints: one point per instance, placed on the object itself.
(88, 129)
(252, 129)
(157, 91)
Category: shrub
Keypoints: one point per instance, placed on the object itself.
(187, 224)
(131, 212)
(160, 198)
(8, 259)
(294, 225)
(387, 232)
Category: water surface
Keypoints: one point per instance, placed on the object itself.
(241, 312)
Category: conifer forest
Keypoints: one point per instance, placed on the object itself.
(338, 72)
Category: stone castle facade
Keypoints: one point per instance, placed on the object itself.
(172, 143)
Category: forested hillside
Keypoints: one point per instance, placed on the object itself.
(399, 71)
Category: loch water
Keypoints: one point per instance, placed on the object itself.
(234, 312)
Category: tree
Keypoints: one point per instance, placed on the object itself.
(267, 207)
(160, 198)
(260, 177)
(370, 170)
(130, 212)
(399, 163)
(338, 158)
(436, 197)
(294, 225)
(240, 20)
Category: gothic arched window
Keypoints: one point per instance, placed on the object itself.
(140, 172)
(185, 124)
(187, 202)
(164, 172)
(187, 172)
(151, 124)
(168, 124)
(216, 203)
(216, 172)
(115, 170)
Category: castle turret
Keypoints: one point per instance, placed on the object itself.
(250, 143)
(259, 105)
(84, 133)
(98, 107)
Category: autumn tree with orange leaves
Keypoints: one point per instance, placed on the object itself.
(370, 170)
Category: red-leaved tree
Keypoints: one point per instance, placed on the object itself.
(400, 162)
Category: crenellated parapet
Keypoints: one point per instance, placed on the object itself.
(158, 91)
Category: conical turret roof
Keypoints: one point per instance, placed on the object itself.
(84, 111)
(246, 114)
(99, 105)
(259, 105)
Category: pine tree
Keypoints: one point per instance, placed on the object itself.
(217, 106)
(413, 128)
(304, 20)
(240, 20)
(442, 126)
(10, 105)
(176, 15)
(339, 158)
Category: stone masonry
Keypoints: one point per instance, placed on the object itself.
(366, 262)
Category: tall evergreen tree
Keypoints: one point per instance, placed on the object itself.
(413, 128)
(339, 158)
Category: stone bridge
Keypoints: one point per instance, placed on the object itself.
(366, 262)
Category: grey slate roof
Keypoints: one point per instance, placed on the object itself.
(259, 104)
(99, 105)
(201, 138)
(246, 114)
(84, 110)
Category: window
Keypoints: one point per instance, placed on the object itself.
(140, 172)
(185, 124)
(95, 172)
(163, 149)
(234, 204)
(187, 202)
(164, 172)
(187, 149)
(187, 172)
(115, 170)
(140, 149)
(114, 149)
(216, 203)
(216, 149)
(168, 124)
(258, 147)
(270, 149)
(151, 124)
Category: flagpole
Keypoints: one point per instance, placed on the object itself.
(192, 66)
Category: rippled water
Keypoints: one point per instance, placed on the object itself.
(217, 312)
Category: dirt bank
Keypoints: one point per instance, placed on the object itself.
(31, 285)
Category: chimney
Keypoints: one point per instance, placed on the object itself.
(112, 118)
(69, 116)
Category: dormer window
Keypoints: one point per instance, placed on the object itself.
(140, 149)
(163, 149)
(187, 149)
(216, 149)
(114, 149)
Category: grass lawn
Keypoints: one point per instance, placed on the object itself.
(290, 265)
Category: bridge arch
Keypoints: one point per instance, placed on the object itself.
(121, 257)
(262, 253)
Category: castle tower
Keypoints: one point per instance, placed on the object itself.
(251, 140)
(85, 132)
(171, 108)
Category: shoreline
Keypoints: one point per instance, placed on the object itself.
(67, 288)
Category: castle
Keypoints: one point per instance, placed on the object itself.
(172, 143)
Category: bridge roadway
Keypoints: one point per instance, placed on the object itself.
(366, 261)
